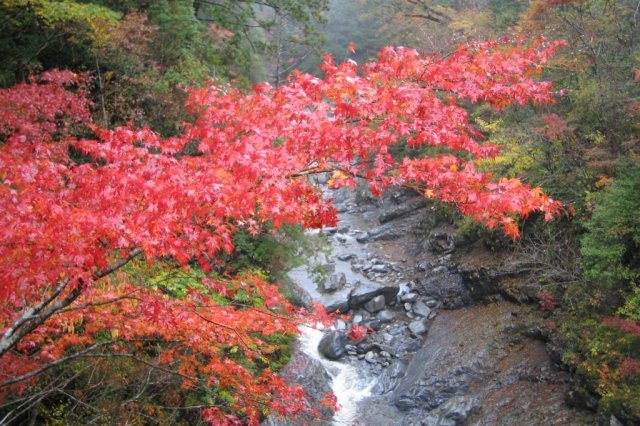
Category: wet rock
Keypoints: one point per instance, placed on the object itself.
(309, 373)
(389, 379)
(330, 230)
(385, 316)
(432, 303)
(367, 291)
(419, 308)
(446, 285)
(332, 345)
(339, 304)
(418, 327)
(357, 319)
(375, 305)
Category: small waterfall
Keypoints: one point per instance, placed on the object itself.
(348, 385)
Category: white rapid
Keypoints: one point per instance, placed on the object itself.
(348, 385)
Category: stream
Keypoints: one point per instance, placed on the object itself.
(446, 347)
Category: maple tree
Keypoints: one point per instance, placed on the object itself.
(80, 202)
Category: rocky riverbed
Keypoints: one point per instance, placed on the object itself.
(454, 338)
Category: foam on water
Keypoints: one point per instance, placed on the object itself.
(347, 384)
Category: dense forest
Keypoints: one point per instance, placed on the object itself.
(154, 189)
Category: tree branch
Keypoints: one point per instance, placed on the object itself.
(34, 317)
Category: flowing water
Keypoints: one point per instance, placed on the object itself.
(349, 385)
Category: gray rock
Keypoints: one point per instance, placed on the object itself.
(357, 319)
(341, 325)
(421, 309)
(455, 410)
(446, 285)
(613, 421)
(380, 269)
(409, 297)
(364, 347)
(402, 210)
(335, 282)
(340, 304)
(373, 324)
(407, 307)
(396, 330)
(330, 230)
(376, 304)
(432, 303)
(333, 344)
(346, 256)
(370, 356)
(385, 316)
(363, 238)
(442, 242)
(418, 327)
(367, 291)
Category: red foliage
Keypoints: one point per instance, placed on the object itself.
(357, 333)
(629, 368)
(548, 301)
(622, 324)
(65, 221)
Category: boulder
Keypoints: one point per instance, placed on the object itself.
(385, 316)
(335, 282)
(442, 242)
(418, 327)
(375, 305)
(364, 292)
(419, 308)
(346, 256)
(409, 297)
(380, 269)
(332, 345)
(402, 210)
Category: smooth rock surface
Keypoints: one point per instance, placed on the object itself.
(332, 345)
